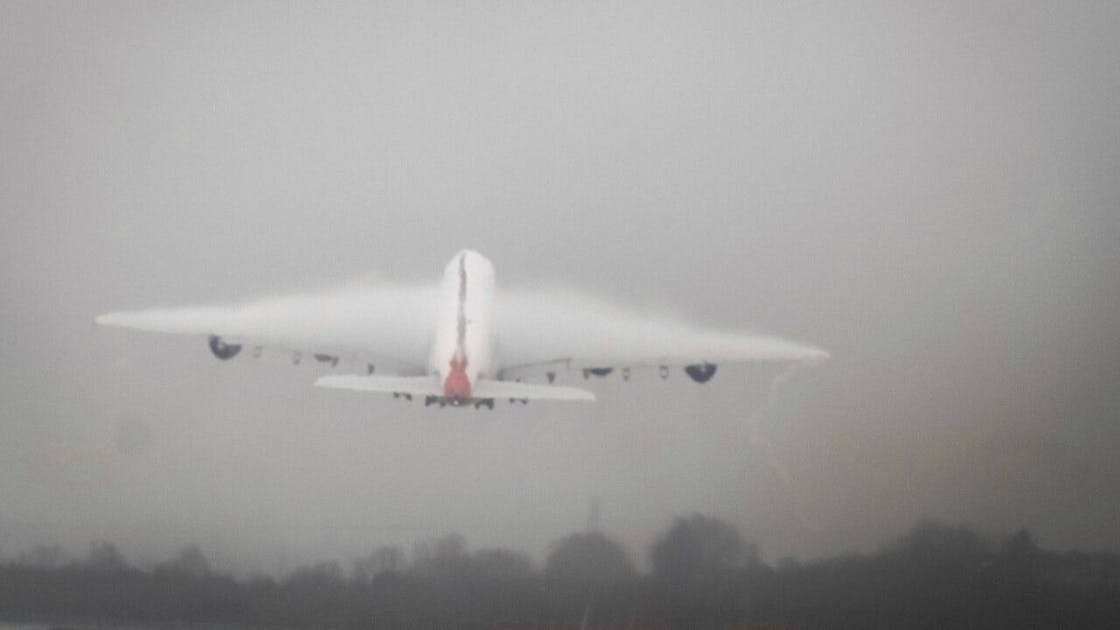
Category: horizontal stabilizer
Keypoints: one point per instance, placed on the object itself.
(415, 385)
(430, 386)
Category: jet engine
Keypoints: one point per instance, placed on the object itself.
(327, 358)
(701, 372)
(223, 350)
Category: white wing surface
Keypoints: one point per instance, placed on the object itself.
(391, 322)
(576, 332)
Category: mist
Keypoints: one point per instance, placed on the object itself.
(928, 193)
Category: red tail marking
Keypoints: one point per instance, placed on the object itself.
(457, 385)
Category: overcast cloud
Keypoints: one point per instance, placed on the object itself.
(930, 193)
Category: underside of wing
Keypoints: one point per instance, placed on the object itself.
(392, 322)
(576, 332)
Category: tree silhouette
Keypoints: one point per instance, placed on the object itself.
(589, 557)
(188, 562)
(442, 556)
(43, 557)
(930, 542)
(501, 564)
(104, 556)
(700, 546)
(1020, 546)
(935, 576)
(384, 559)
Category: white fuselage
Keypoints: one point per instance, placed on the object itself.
(462, 349)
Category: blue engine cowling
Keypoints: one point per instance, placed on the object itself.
(701, 372)
(223, 350)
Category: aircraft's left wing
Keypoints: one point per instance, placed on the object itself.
(386, 322)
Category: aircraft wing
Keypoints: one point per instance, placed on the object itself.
(370, 324)
(569, 331)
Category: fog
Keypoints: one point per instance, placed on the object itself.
(929, 193)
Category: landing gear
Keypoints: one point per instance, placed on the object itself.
(479, 403)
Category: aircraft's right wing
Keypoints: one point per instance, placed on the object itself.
(570, 331)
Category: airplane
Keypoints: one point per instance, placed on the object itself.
(464, 342)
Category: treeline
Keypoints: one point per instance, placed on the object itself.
(704, 574)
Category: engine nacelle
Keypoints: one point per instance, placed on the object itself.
(600, 372)
(701, 372)
(327, 358)
(223, 350)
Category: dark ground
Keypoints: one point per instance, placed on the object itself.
(704, 575)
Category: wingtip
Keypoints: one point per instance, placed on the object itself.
(812, 355)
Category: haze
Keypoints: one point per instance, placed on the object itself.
(928, 193)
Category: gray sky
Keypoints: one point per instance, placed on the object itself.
(928, 192)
